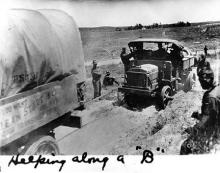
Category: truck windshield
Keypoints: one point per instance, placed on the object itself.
(149, 50)
(150, 46)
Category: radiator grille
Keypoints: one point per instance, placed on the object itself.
(136, 79)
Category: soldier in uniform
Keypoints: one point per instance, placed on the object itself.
(206, 132)
(205, 50)
(160, 52)
(109, 80)
(125, 58)
(96, 79)
(176, 55)
(202, 64)
(138, 51)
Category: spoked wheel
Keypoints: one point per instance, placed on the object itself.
(165, 95)
(42, 145)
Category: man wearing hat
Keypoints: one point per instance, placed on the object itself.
(109, 80)
(176, 55)
(96, 79)
(125, 58)
(160, 52)
(202, 64)
(205, 50)
(207, 129)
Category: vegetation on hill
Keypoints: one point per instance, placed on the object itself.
(159, 25)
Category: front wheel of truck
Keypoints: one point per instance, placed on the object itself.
(165, 96)
(42, 145)
(130, 100)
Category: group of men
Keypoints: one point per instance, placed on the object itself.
(176, 56)
(205, 134)
(206, 131)
(96, 79)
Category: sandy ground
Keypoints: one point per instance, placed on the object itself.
(117, 130)
(112, 129)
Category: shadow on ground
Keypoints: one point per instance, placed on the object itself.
(138, 104)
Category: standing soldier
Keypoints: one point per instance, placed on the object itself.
(125, 58)
(206, 50)
(202, 64)
(96, 79)
(177, 56)
(206, 131)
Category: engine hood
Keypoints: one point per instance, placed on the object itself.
(147, 68)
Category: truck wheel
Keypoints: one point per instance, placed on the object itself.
(44, 145)
(165, 96)
(129, 99)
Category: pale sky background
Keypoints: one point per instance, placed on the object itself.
(92, 13)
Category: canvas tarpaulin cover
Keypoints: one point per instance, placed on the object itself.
(37, 47)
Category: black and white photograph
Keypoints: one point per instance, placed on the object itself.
(109, 77)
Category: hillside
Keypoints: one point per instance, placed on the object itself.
(105, 43)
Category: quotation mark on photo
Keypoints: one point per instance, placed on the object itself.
(159, 149)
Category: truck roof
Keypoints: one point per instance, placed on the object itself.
(156, 40)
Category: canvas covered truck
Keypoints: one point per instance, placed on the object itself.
(42, 78)
(157, 72)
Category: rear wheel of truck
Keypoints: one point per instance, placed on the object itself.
(165, 96)
(44, 145)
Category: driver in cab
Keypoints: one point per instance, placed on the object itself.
(138, 52)
(161, 52)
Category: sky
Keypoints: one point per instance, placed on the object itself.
(93, 13)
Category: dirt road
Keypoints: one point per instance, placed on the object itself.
(105, 62)
(111, 129)
(108, 124)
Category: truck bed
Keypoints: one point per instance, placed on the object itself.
(22, 113)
